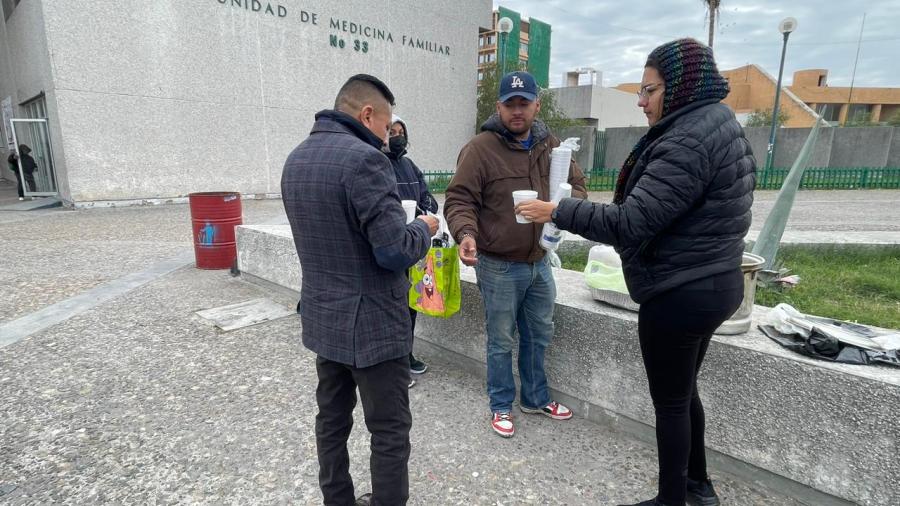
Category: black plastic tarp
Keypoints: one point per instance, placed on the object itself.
(825, 347)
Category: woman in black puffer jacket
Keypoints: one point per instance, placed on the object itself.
(678, 219)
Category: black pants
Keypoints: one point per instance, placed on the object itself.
(29, 180)
(675, 328)
(384, 390)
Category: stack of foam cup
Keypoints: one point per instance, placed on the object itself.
(560, 160)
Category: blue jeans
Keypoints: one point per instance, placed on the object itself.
(519, 295)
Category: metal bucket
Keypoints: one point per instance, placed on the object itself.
(214, 216)
(741, 319)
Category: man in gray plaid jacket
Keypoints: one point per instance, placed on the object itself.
(340, 195)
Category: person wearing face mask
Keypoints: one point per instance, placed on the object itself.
(355, 247)
(411, 186)
(678, 219)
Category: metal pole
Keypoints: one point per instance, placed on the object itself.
(853, 76)
(770, 155)
(503, 36)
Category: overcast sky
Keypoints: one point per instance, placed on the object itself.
(615, 37)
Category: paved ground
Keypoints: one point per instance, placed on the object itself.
(836, 211)
(136, 400)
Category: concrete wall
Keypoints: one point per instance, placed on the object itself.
(7, 88)
(788, 143)
(159, 99)
(616, 108)
(619, 143)
(601, 107)
(893, 158)
(835, 147)
(861, 146)
(574, 101)
(26, 72)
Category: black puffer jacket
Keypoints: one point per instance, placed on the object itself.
(687, 203)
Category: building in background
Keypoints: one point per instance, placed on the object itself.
(857, 104)
(528, 44)
(753, 89)
(582, 97)
(133, 100)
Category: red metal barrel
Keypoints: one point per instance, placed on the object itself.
(214, 216)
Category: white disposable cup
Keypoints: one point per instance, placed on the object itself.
(410, 207)
(523, 196)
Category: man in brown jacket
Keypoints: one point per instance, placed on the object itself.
(511, 153)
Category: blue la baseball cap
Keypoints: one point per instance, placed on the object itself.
(518, 84)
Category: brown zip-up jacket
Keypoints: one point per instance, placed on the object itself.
(479, 198)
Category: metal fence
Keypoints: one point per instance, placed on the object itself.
(829, 178)
(814, 178)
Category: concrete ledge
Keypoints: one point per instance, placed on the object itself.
(771, 414)
(157, 201)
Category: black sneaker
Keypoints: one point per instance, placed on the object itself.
(363, 500)
(416, 366)
(701, 493)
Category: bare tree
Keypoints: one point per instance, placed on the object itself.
(712, 9)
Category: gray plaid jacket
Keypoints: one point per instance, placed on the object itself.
(340, 195)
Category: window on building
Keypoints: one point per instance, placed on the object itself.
(491, 40)
(523, 62)
(36, 109)
(821, 81)
(492, 57)
(8, 6)
(833, 112)
(480, 75)
(859, 113)
(523, 47)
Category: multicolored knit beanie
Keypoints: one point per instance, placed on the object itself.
(689, 70)
(690, 74)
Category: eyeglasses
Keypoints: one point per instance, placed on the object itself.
(645, 90)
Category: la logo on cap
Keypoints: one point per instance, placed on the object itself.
(517, 82)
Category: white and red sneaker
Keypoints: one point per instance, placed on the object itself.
(554, 410)
(502, 424)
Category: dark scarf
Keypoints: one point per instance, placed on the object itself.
(654, 133)
(630, 162)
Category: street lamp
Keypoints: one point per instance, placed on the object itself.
(504, 26)
(786, 26)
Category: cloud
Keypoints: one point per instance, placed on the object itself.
(616, 40)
